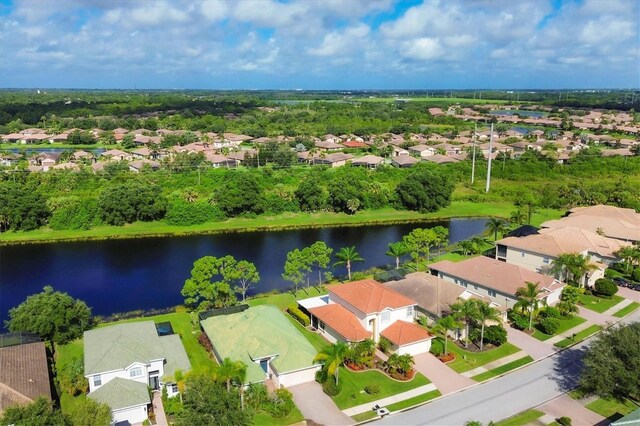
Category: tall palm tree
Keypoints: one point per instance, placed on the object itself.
(466, 246)
(231, 371)
(628, 255)
(574, 266)
(496, 225)
(346, 256)
(444, 326)
(519, 216)
(483, 314)
(397, 250)
(528, 299)
(579, 268)
(333, 357)
(560, 266)
(467, 311)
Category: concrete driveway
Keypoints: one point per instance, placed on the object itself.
(565, 406)
(629, 294)
(316, 406)
(532, 346)
(446, 380)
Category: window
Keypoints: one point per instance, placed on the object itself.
(492, 293)
(321, 325)
(135, 372)
(545, 260)
(174, 388)
(97, 380)
(522, 254)
(410, 312)
(385, 316)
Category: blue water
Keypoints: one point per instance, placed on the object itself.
(125, 275)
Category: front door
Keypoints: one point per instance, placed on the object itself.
(154, 382)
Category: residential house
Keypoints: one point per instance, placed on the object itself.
(219, 160)
(441, 159)
(266, 341)
(116, 155)
(404, 161)
(354, 144)
(122, 361)
(7, 159)
(369, 161)
(328, 146)
(139, 165)
(498, 281)
(422, 150)
(366, 309)
(24, 371)
(613, 222)
(336, 159)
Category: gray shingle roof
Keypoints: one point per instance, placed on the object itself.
(122, 393)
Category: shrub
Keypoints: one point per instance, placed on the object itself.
(519, 321)
(257, 396)
(619, 266)
(422, 320)
(281, 404)
(300, 316)
(384, 345)
(635, 275)
(331, 388)
(612, 273)
(181, 212)
(372, 389)
(549, 325)
(550, 312)
(321, 375)
(495, 334)
(564, 421)
(605, 287)
(436, 350)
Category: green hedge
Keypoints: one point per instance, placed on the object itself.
(300, 316)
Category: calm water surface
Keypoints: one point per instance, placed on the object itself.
(124, 275)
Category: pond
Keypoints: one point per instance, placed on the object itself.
(125, 275)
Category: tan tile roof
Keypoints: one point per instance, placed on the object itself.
(494, 274)
(369, 296)
(557, 241)
(24, 373)
(424, 289)
(616, 222)
(342, 321)
(404, 333)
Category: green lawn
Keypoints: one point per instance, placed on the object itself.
(411, 402)
(264, 419)
(565, 324)
(467, 360)
(580, 336)
(521, 419)
(353, 384)
(612, 409)
(503, 369)
(627, 310)
(599, 304)
(64, 354)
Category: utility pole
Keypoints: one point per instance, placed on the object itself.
(473, 161)
(489, 163)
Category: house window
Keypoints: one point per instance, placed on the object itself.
(385, 316)
(174, 388)
(321, 325)
(135, 372)
(97, 380)
(492, 293)
(410, 312)
(545, 260)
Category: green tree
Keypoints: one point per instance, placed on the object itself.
(611, 366)
(134, 200)
(87, 411)
(201, 292)
(319, 255)
(466, 247)
(495, 226)
(244, 274)
(56, 317)
(529, 202)
(397, 250)
(310, 195)
(518, 216)
(231, 372)
(239, 193)
(444, 325)
(206, 402)
(420, 241)
(485, 313)
(297, 267)
(467, 311)
(346, 256)
(21, 207)
(568, 304)
(425, 191)
(629, 255)
(399, 363)
(39, 413)
(332, 357)
(575, 266)
(528, 299)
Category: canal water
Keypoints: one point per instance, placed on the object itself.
(125, 275)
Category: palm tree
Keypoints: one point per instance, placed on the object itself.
(567, 307)
(519, 216)
(400, 363)
(346, 256)
(560, 266)
(496, 225)
(483, 314)
(231, 371)
(574, 266)
(333, 357)
(444, 326)
(628, 254)
(466, 246)
(190, 196)
(478, 244)
(528, 299)
(467, 311)
(397, 250)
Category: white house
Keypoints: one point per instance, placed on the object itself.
(366, 309)
(122, 361)
(498, 281)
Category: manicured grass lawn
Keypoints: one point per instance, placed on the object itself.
(627, 310)
(503, 369)
(264, 419)
(521, 419)
(565, 324)
(64, 355)
(599, 304)
(353, 384)
(580, 336)
(416, 400)
(612, 409)
(467, 360)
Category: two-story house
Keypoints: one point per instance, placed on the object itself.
(366, 309)
(121, 362)
(610, 221)
(538, 251)
(495, 280)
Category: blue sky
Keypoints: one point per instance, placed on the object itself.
(328, 44)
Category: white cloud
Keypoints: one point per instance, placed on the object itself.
(423, 48)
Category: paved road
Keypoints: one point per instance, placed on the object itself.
(503, 397)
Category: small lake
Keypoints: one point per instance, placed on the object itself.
(125, 275)
(524, 113)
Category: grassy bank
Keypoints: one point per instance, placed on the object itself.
(269, 223)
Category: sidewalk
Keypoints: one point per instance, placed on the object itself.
(567, 334)
(530, 345)
(565, 406)
(389, 400)
(495, 364)
(158, 409)
(444, 378)
(616, 308)
(317, 406)
(596, 318)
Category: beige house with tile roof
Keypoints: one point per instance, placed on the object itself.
(614, 222)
